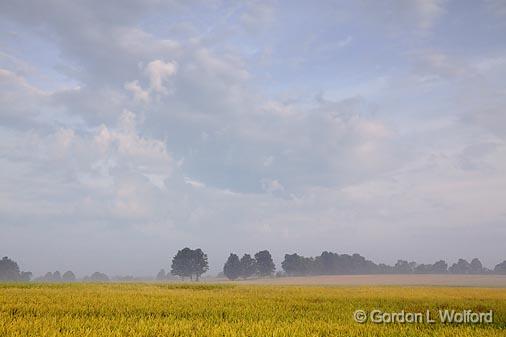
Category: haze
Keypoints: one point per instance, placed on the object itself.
(131, 129)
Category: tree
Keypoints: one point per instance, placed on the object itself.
(161, 275)
(98, 277)
(248, 266)
(57, 276)
(68, 276)
(440, 267)
(48, 277)
(404, 267)
(25, 276)
(461, 267)
(265, 265)
(293, 264)
(199, 263)
(475, 267)
(500, 268)
(188, 262)
(181, 263)
(423, 269)
(232, 268)
(9, 270)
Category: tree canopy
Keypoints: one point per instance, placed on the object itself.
(9, 271)
(265, 264)
(189, 263)
(232, 268)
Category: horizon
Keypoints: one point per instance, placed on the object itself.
(132, 129)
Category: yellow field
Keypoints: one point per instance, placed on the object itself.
(235, 310)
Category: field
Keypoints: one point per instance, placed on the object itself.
(401, 280)
(234, 309)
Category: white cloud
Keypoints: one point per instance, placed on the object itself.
(398, 141)
(159, 72)
(140, 94)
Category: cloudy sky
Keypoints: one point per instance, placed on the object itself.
(130, 129)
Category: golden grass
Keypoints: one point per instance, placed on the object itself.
(234, 310)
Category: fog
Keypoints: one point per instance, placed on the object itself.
(132, 129)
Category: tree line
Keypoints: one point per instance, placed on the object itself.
(9, 271)
(329, 263)
(193, 263)
(261, 265)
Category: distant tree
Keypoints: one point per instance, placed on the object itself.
(68, 276)
(423, 269)
(189, 263)
(461, 267)
(161, 276)
(48, 277)
(25, 276)
(9, 270)
(328, 263)
(199, 263)
(294, 264)
(500, 268)
(440, 267)
(248, 266)
(232, 268)
(98, 277)
(265, 265)
(385, 269)
(475, 267)
(57, 276)
(404, 267)
(181, 265)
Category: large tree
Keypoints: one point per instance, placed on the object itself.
(248, 266)
(232, 268)
(199, 263)
(500, 268)
(9, 271)
(440, 267)
(189, 263)
(293, 264)
(265, 265)
(461, 267)
(181, 263)
(475, 266)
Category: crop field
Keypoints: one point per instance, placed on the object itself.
(151, 309)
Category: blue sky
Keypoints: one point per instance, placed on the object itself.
(130, 129)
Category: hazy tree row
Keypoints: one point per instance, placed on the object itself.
(9, 271)
(67, 276)
(192, 264)
(329, 263)
(261, 265)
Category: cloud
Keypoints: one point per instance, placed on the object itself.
(158, 73)
(170, 132)
(140, 94)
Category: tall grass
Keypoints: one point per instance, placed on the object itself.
(234, 310)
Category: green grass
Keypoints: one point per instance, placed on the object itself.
(234, 310)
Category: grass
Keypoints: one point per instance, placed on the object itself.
(234, 310)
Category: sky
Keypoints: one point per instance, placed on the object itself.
(131, 129)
